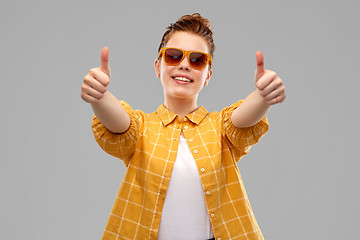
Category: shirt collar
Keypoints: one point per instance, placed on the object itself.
(167, 116)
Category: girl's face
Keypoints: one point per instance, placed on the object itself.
(175, 87)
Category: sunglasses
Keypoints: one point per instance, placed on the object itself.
(174, 56)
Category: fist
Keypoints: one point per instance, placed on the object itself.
(268, 83)
(96, 81)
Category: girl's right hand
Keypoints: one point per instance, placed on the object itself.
(96, 81)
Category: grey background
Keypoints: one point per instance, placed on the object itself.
(302, 178)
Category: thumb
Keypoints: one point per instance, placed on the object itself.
(105, 61)
(260, 70)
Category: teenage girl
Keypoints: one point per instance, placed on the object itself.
(182, 179)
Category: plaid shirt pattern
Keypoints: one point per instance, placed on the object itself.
(149, 149)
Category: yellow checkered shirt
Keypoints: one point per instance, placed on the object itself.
(149, 149)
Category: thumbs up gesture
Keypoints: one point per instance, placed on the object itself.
(96, 81)
(269, 85)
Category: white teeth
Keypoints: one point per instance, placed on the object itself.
(182, 79)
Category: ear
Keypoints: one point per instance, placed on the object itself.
(210, 73)
(157, 67)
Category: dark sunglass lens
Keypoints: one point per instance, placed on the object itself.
(173, 56)
(198, 59)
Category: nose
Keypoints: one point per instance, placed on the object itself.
(184, 64)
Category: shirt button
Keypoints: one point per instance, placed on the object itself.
(195, 151)
(207, 193)
(186, 127)
(212, 215)
(218, 238)
(185, 119)
(202, 169)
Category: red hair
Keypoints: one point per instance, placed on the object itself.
(194, 23)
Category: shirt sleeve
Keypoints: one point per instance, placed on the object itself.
(242, 138)
(120, 145)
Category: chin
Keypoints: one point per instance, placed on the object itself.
(181, 94)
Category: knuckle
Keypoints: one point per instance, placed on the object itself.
(83, 88)
(258, 85)
(87, 79)
(84, 97)
(274, 75)
(283, 89)
(92, 70)
(106, 81)
(103, 90)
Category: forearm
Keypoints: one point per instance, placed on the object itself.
(111, 113)
(251, 111)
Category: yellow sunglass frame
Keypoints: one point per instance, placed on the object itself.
(187, 55)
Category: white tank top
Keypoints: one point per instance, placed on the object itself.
(184, 215)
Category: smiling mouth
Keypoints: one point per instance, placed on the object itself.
(182, 79)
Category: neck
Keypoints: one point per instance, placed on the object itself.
(181, 107)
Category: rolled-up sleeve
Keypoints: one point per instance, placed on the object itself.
(120, 145)
(242, 138)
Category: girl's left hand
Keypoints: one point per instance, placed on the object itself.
(268, 83)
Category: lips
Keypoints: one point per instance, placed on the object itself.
(182, 78)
